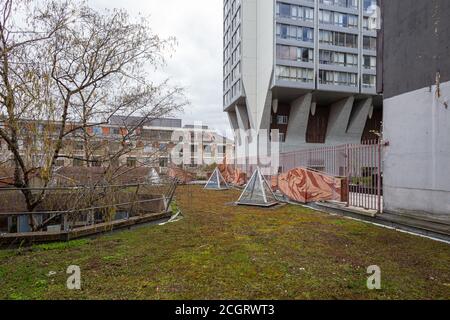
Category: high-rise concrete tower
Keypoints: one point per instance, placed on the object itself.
(304, 67)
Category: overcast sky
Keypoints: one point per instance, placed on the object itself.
(197, 62)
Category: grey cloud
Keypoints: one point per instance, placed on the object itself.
(197, 61)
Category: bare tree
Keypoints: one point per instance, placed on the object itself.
(66, 68)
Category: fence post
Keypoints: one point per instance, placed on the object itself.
(379, 209)
(136, 194)
(348, 164)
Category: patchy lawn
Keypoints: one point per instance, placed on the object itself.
(225, 252)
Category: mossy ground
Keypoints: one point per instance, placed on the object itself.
(220, 251)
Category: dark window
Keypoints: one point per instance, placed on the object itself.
(283, 31)
(13, 224)
(207, 149)
(285, 10)
(325, 57)
(163, 162)
(4, 224)
(308, 34)
(345, 20)
(131, 162)
(96, 163)
(367, 62)
(370, 43)
(222, 149)
(79, 146)
(305, 55)
(282, 52)
(351, 40)
(341, 39)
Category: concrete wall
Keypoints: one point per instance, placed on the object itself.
(417, 160)
(249, 57)
(414, 50)
(257, 59)
(265, 61)
(415, 44)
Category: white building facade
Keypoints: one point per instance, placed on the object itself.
(306, 68)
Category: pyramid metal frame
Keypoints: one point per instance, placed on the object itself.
(155, 178)
(220, 178)
(258, 177)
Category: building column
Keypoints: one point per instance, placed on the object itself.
(267, 112)
(298, 121)
(232, 117)
(244, 129)
(358, 121)
(242, 117)
(338, 120)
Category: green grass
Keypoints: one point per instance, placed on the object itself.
(219, 251)
(61, 245)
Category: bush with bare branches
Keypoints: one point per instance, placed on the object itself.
(65, 68)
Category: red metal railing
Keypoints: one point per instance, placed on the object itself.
(329, 160)
(365, 174)
(360, 163)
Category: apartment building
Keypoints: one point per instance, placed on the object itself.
(158, 143)
(304, 67)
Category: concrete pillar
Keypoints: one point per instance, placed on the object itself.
(339, 119)
(358, 120)
(244, 130)
(242, 117)
(232, 117)
(267, 112)
(298, 121)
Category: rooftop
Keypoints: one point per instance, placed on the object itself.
(128, 121)
(221, 251)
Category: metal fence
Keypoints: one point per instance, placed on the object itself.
(65, 208)
(361, 164)
(329, 160)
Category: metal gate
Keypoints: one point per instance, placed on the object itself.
(365, 176)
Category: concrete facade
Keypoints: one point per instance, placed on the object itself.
(157, 143)
(415, 58)
(417, 160)
(414, 45)
(285, 60)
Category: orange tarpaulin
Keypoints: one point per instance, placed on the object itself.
(180, 174)
(303, 185)
(232, 175)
